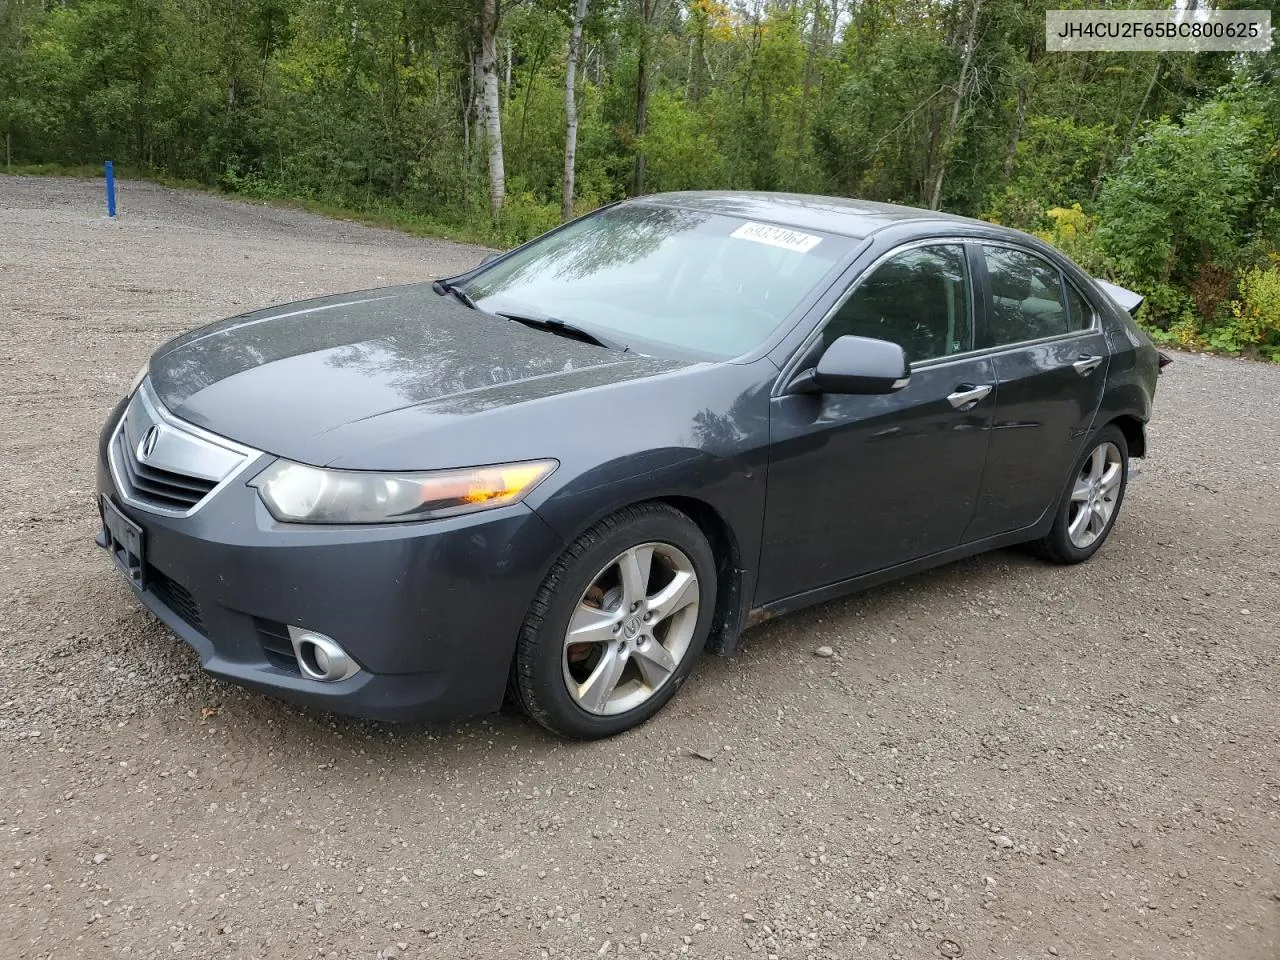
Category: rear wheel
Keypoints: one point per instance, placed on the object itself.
(615, 628)
(1091, 501)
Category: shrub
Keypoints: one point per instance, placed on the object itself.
(1211, 289)
(1057, 160)
(251, 184)
(1073, 232)
(1169, 315)
(524, 217)
(1254, 324)
(1176, 201)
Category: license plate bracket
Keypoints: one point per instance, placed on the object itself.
(126, 542)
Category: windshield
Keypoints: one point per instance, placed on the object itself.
(661, 279)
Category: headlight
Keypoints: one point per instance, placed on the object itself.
(137, 381)
(296, 493)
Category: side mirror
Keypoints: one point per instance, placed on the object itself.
(857, 365)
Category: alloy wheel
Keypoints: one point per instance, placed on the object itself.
(631, 628)
(1095, 495)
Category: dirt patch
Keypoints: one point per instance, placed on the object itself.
(1001, 758)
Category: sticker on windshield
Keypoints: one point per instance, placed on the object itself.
(777, 236)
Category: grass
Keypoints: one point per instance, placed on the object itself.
(383, 214)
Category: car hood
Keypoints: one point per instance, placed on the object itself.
(299, 380)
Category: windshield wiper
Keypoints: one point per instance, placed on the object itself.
(537, 321)
(448, 286)
(566, 329)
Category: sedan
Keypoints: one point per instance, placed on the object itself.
(560, 477)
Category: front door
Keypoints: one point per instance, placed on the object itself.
(861, 483)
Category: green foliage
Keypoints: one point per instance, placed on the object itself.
(1169, 314)
(1185, 207)
(1057, 161)
(371, 107)
(1254, 324)
(875, 134)
(524, 217)
(1176, 201)
(681, 154)
(1075, 233)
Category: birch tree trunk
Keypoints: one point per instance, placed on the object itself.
(571, 108)
(506, 79)
(492, 104)
(966, 66)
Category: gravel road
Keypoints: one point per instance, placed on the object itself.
(1002, 758)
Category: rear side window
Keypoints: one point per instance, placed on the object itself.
(1079, 312)
(1027, 298)
(918, 299)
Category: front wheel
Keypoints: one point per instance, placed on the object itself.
(1091, 501)
(616, 626)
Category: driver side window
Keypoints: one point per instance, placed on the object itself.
(920, 299)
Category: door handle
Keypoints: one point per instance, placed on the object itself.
(967, 397)
(1087, 364)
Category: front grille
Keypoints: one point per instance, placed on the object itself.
(161, 488)
(176, 597)
(276, 645)
(166, 465)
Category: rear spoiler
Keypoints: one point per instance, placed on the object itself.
(1127, 300)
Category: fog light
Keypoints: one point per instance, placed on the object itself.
(320, 657)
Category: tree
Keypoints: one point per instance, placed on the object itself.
(571, 107)
(492, 104)
(962, 90)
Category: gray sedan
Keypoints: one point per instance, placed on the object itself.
(561, 476)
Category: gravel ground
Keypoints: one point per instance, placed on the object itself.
(1001, 759)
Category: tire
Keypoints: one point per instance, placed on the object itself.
(1086, 490)
(645, 650)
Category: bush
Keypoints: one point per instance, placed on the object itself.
(679, 153)
(1211, 290)
(524, 217)
(1177, 200)
(251, 184)
(1169, 315)
(1254, 325)
(1074, 232)
(1057, 160)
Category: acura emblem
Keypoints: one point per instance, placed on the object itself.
(148, 444)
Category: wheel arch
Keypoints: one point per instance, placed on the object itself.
(732, 580)
(1135, 433)
(728, 516)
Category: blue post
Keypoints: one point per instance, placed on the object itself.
(111, 190)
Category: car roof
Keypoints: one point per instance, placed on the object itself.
(839, 215)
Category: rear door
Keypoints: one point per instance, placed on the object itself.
(1050, 361)
(861, 483)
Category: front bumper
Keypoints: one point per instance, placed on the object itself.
(430, 611)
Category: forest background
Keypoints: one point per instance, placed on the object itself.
(494, 120)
